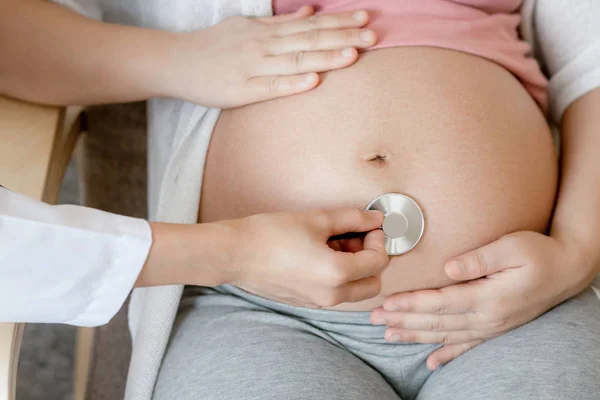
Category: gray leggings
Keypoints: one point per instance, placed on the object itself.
(229, 344)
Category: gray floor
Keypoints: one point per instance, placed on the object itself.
(46, 361)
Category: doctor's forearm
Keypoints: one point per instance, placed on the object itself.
(53, 56)
(577, 215)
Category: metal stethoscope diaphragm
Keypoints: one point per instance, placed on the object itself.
(403, 224)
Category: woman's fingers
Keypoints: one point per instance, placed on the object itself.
(501, 254)
(315, 50)
(270, 87)
(455, 299)
(291, 26)
(289, 52)
(449, 352)
(319, 40)
(429, 337)
(425, 322)
(302, 12)
(301, 62)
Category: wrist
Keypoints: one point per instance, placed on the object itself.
(155, 66)
(213, 247)
(235, 249)
(194, 254)
(583, 256)
(176, 70)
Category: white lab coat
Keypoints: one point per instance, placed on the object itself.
(66, 264)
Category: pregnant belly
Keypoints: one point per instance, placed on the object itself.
(455, 132)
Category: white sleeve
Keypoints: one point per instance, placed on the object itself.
(567, 35)
(66, 264)
(88, 8)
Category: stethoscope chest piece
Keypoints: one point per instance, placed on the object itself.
(403, 224)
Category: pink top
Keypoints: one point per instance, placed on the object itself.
(486, 28)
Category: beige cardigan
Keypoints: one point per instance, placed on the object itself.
(564, 34)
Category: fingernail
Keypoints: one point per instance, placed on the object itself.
(349, 52)
(309, 80)
(359, 16)
(375, 213)
(455, 268)
(367, 36)
(395, 305)
(378, 320)
(432, 367)
(393, 338)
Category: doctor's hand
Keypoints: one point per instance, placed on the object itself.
(286, 257)
(509, 282)
(247, 60)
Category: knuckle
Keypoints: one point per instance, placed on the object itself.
(397, 323)
(446, 338)
(440, 307)
(499, 325)
(298, 59)
(272, 84)
(356, 216)
(477, 263)
(313, 20)
(314, 38)
(351, 36)
(436, 325)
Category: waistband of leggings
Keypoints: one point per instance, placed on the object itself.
(329, 316)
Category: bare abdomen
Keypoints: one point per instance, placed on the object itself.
(455, 132)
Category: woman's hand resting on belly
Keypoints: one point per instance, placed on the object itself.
(515, 279)
(244, 60)
(505, 284)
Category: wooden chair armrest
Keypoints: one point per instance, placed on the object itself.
(36, 143)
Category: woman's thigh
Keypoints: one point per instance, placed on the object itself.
(225, 348)
(556, 356)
